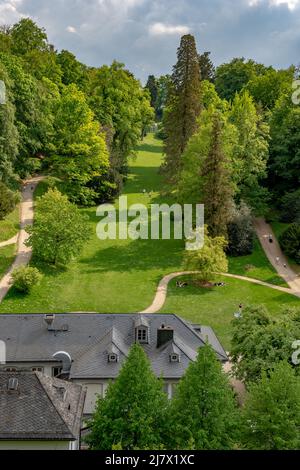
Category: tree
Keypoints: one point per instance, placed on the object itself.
(271, 414)
(163, 87)
(123, 108)
(217, 188)
(210, 259)
(27, 36)
(9, 136)
(203, 412)
(73, 71)
(266, 89)
(251, 151)
(259, 342)
(232, 77)
(152, 87)
(290, 242)
(133, 413)
(183, 107)
(79, 154)
(59, 231)
(8, 201)
(290, 207)
(240, 232)
(207, 69)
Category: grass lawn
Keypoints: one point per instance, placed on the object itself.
(215, 306)
(9, 227)
(7, 255)
(121, 276)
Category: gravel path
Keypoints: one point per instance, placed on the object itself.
(26, 218)
(11, 241)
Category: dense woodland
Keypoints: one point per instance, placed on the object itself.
(77, 123)
(231, 138)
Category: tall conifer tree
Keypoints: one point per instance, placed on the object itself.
(183, 107)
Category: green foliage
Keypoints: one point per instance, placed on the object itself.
(203, 412)
(271, 414)
(59, 229)
(25, 278)
(27, 36)
(152, 87)
(290, 207)
(251, 151)
(133, 413)
(207, 69)
(123, 108)
(290, 242)
(240, 232)
(210, 259)
(78, 154)
(8, 201)
(233, 76)
(258, 342)
(183, 107)
(72, 70)
(284, 161)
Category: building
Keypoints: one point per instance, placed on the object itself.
(39, 412)
(89, 349)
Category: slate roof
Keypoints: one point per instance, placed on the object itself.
(89, 338)
(41, 408)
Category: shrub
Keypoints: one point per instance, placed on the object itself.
(240, 232)
(290, 207)
(25, 278)
(290, 242)
(8, 201)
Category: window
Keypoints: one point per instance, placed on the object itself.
(142, 335)
(10, 369)
(112, 358)
(56, 371)
(174, 358)
(37, 369)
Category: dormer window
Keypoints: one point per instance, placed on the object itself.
(174, 357)
(112, 358)
(142, 334)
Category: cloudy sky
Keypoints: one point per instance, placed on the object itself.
(144, 34)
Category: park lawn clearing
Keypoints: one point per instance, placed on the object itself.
(216, 306)
(121, 276)
(10, 226)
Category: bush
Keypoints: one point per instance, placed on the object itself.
(240, 232)
(290, 242)
(290, 207)
(25, 278)
(8, 201)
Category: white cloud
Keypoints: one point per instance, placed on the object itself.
(160, 29)
(71, 29)
(291, 4)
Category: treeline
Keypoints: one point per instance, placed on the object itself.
(231, 137)
(78, 123)
(204, 412)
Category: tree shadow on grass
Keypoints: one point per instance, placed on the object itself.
(151, 148)
(136, 255)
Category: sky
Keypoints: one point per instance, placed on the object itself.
(145, 34)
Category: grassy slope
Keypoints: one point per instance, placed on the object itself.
(9, 226)
(122, 276)
(7, 255)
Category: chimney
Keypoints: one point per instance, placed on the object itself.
(49, 319)
(164, 335)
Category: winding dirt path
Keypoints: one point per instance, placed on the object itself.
(162, 290)
(26, 218)
(275, 254)
(11, 241)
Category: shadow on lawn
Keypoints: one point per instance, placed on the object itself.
(151, 148)
(136, 255)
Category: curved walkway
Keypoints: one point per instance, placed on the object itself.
(161, 293)
(11, 241)
(26, 218)
(274, 253)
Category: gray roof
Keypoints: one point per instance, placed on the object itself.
(41, 408)
(89, 338)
